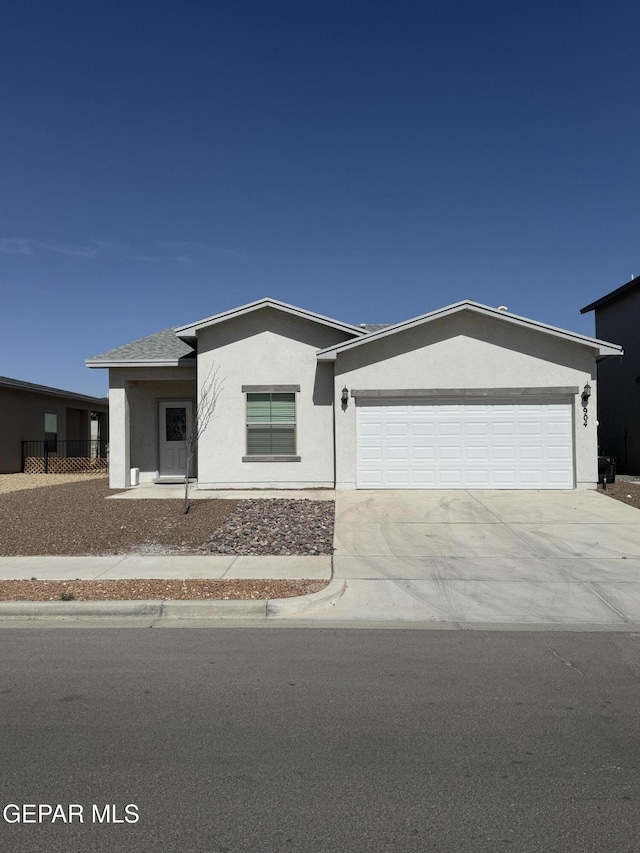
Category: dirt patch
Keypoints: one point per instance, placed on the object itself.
(154, 589)
(623, 490)
(75, 519)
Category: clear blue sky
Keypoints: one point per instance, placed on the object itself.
(368, 160)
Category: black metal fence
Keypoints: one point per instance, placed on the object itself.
(49, 455)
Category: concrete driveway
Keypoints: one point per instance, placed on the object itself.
(497, 557)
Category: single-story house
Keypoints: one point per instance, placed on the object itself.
(34, 417)
(617, 316)
(467, 396)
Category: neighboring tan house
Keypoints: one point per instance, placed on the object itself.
(464, 397)
(37, 414)
(617, 317)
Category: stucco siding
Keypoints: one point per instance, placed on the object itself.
(467, 351)
(267, 347)
(134, 394)
(618, 381)
(22, 419)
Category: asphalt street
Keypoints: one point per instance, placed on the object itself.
(285, 739)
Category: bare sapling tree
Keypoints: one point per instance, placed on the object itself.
(204, 411)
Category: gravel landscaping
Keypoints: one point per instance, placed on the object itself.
(154, 589)
(275, 526)
(75, 519)
(67, 515)
(17, 482)
(625, 490)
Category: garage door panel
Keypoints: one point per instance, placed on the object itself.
(532, 478)
(477, 453)
(556, 452)
(423, 453)
(503, 428)
(370, 430)
(396, 429)
(397, 477)
(478, 479)
(399, 412)
(465, 446)
(505, 478)
(558, 428)
(449, 431)
(532, 428)
(371, 454)
(505, 453)
(424, 479)
(476, 430)
(556, 479)
(532, 453)
(397, 454)
(422, 429)
(371, 479)
(451, 478)
(450, 453)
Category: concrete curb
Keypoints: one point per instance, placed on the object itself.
(247, 609)
(165, 609)
(305, 603)
(47, 609)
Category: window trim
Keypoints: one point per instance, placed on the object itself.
(271, 458)
(272, 389)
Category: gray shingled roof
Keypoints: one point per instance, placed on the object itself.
(166, 346)
(162, 346)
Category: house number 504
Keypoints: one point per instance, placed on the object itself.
(586, 415)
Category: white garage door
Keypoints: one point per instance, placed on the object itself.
(411, 445)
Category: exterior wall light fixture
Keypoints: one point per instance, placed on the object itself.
(586, 393)
(345, 396)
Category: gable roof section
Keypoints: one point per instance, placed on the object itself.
(611, 296)
(603, 348)
(163, 349)
(20, 385)
(190, 331)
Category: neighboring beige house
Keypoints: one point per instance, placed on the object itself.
(617, 317)
(464, 397)
(35, 413)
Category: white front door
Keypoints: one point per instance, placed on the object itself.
(175, 420)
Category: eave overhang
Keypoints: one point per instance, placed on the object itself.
(175, 363)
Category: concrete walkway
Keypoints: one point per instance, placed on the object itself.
(499, 557)
(175, 491)
(174, 566)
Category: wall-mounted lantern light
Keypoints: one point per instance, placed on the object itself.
(586, 393)
(345, 396)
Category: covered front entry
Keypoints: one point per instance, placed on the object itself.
(175, 421)
(409, 444)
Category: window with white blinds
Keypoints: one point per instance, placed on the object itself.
(271, 424)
